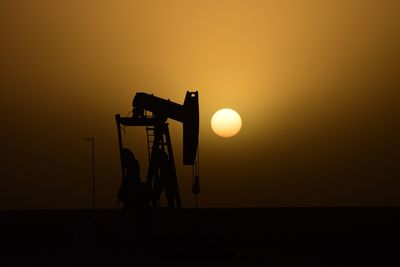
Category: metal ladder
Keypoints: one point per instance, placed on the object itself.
(149, 136)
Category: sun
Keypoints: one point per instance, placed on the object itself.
(226, 122)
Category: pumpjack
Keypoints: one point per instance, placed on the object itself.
(152, 112)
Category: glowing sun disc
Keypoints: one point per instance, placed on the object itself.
(226, 122)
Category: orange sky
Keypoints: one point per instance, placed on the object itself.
(316, 85)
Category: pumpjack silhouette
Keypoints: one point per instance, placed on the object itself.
(153, 112)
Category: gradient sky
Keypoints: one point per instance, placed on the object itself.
(316, 84)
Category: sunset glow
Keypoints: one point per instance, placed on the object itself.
(226, 122)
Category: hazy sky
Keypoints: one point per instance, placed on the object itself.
(316, 84)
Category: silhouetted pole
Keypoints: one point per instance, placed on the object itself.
(91, 139)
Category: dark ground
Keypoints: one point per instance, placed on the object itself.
(202, 237)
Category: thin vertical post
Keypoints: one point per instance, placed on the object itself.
(91, 139)
(93, 176)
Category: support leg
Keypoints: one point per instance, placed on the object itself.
(172, 189)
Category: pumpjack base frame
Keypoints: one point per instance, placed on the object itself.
(161, 133)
